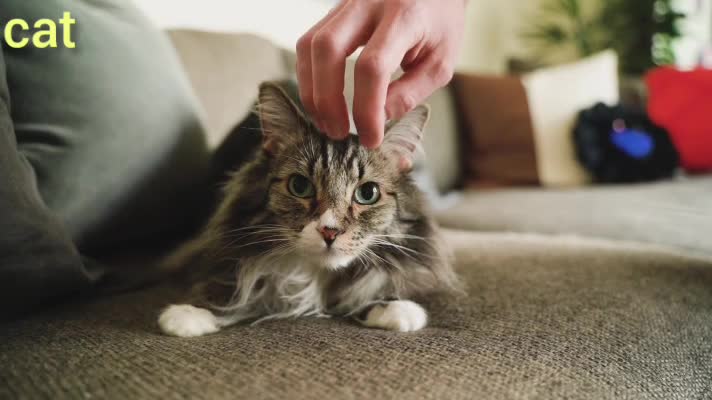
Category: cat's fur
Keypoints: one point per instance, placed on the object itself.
(262, 255)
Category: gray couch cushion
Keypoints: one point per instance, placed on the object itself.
(442, 141)
(675, 213)
(574, 319)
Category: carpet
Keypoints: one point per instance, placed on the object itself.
(543, 318)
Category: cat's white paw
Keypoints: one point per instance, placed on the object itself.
(185, 320)
(400, 315)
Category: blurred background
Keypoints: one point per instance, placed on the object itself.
(497, 30)
(584, 117)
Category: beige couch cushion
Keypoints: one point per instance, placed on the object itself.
(556, 95)
(676, 213)
(226, 70)
(443, 151)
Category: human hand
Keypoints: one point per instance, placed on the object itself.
(422, 36)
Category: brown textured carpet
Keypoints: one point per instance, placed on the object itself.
(544, 318)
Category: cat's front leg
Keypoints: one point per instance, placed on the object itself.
(395, 315)
(184, 320)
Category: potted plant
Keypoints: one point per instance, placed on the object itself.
(640, 31)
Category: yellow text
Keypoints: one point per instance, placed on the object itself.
(18, 34)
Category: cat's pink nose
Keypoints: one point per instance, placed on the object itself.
(329, 234)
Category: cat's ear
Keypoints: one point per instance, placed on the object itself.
(281, 119)
(404, 137)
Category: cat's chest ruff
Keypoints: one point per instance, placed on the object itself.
(292, 286)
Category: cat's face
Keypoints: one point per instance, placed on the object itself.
(336, 198)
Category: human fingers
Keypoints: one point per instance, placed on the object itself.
(331, 45)
(392, 39)
(304, 60)
(417, 84)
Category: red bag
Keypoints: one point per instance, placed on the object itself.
(681, 102)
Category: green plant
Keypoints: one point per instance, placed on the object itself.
(641, 31)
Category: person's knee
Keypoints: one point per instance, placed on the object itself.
(37, 258)
(38, 262)
(107, 136)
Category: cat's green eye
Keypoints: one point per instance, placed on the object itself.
(300, 186)
(367, 194)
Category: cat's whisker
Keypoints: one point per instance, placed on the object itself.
(245, 234)
(405, 254)
(283, 249)
(405, 251)
(400, 235)
(239, 245)
(229, 247)
(255, 231)
(260, 242)
(380, 260)
(367, 257)
(427, 241)
(258, 226)
(387, 243)
(361, 259)
(268, 233)
(295, 159)
(252, 235)
(254, 227)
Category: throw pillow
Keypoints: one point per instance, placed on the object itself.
(518, 130)
(680, 102)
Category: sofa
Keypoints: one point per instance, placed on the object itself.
(600, 292)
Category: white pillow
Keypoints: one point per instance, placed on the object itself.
(556, 95)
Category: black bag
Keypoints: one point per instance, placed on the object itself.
(621, 145)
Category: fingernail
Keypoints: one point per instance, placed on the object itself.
(367, 143)
(341, 133)
(332, 131)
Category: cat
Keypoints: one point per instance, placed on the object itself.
(315, 227)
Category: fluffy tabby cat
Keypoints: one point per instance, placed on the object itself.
(315, 227)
